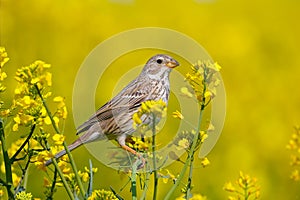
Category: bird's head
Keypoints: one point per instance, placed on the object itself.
(160, 65)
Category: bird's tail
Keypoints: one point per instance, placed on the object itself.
(71, 147)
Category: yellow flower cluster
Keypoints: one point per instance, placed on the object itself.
(246, 188)
(102, 195)
(177, 114)
(29, 109)
(24, 196)
(147, 110)
(33, 74)
(85, 175)
(203, 81)
(140, 144)
(184, 140)
(3, 59)
(61, 111)
(294, 146)
(205, 162)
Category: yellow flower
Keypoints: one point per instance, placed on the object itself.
(157, 108)
(185, 91)
(3, 57)
(16, 179)
(5, 112)
(35, 80)
(203, 136)
(56, 120)
(217, 66)
(1, 193)
(70, 176)
(207, 94)
(84, 176)
(102, 194)
(205, 162)
(177, 114)
(35, 74)
(247, 187)
(58, 139)
(3, 76)
(94, 169)
(61, 107)
(183, 143)
(47, 120)
(2, 168)
(48, 78)
(23, 196)
(39, 160)
(58, 99)
(210, 127)
(229, 187)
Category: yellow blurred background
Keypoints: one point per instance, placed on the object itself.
(256, 43)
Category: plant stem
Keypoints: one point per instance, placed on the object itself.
(78, 180)
(133, 181)
(188, 192)
(24, 174)
(154, 158)
(72, 162)
(7, 163)
(61, 175)
(12, 159)
(246, 192)
(190, 156)
(50, 197)
(147, 179)
(90, 187)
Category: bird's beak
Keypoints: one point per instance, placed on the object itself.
(172, 64)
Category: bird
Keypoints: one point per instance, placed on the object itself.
(113, 120)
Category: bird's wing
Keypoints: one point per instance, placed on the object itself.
(128, 99)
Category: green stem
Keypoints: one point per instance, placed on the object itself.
(146, 185)
(50, 196)
(72, 162)
(190, 156)
(13, 158)
(154, 159)
(78, 180)
(62, 177)
(7, 163)
(133, 181)
(24, 174)
(246, 192)
(189, 185)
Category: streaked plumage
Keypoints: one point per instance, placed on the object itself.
(114, 119)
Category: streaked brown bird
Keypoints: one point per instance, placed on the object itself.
(114, 119)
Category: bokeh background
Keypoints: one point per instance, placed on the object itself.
(256, 43)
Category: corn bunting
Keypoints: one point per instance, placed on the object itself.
(114, 119)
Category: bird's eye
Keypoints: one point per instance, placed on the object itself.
(159, 61)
